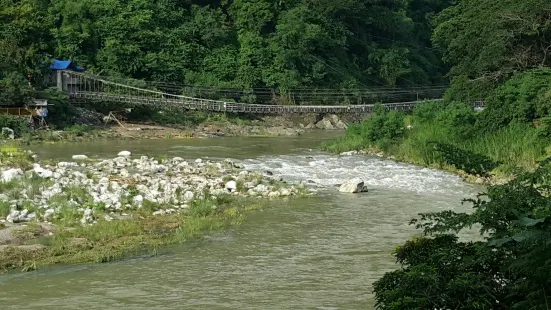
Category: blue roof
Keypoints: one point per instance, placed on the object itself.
(64, 65)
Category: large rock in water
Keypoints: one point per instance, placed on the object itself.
(80, 157)
(355, 185)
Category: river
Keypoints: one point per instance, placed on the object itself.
(315, 253)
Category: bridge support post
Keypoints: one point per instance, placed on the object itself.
(59, 80)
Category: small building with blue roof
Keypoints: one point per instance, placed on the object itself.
(57, 67)
(65, 65)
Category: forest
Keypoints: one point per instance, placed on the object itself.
(239, 45)
(497, 51)
(278, 44)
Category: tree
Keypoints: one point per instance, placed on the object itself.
(510, 269)
(485, 41)
(24, 41)
(245, 45)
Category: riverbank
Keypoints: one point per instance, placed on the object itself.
(96, 211)
(209, 127)
(466, 177)
(446, 137)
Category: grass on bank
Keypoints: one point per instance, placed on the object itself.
(11, 155)
(512, 148)
(140, 234)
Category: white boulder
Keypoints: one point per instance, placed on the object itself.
(13, 217)
(8, 133)
(340, 125)
(285, 192)
(138, 199)
(325, 124)
(124, 153)
(231, 186)
(11, 174)
(80, 157)
(41, 172)
(188, 196)
(355, 185)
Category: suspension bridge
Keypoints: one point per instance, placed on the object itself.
(82, 87)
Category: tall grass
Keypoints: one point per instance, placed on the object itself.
(518, 146)
(349, 142)
(4, 208)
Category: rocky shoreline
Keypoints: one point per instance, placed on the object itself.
(267, 126)
(122, 184)
(48, 211)
(271, 126)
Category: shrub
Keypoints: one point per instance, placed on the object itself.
(61, 113)
(465, 160)
(523, 98)
(427, 111)
(508, 269)
(458, 120)
(19, 124)
(381, 125)
(455, 119)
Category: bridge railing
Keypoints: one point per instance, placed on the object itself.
(93, 88)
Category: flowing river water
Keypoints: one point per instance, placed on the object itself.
(315, 253)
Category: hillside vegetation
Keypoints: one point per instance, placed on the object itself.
(234, 46)
(498, 51)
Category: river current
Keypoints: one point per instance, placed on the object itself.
(323, 252)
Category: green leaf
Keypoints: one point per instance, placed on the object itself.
(528, 222)
(499, 242)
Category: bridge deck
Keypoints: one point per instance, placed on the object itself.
(219, 106)
(83, 87)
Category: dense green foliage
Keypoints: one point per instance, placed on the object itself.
(241, 44)
(245, 45)
(485, 41)
(23, 30)
(383, 125)
(446, 134)
(510, 269)
(465, 160)
(19, 124)
(524, 98)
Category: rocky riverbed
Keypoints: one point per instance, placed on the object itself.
(85, 211)
(111, 188)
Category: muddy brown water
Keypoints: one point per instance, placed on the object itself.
(316, 253)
